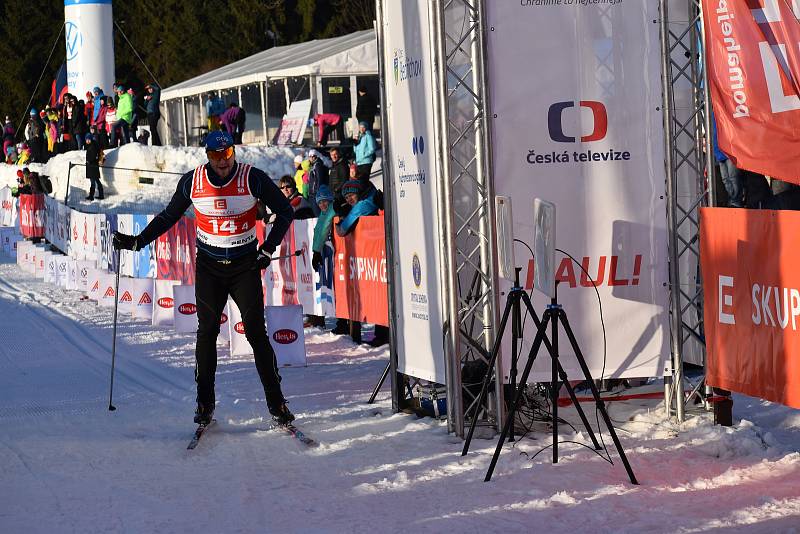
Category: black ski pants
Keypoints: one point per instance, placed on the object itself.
(215, 280)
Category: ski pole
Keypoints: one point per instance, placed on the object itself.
(111, 407)
(295, 253)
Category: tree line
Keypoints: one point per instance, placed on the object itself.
(176, 39)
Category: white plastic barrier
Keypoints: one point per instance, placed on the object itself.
(163, 303)
(86, 276)
(50, 269)
(185, 309)
(143, 298)
(42, 258)
(62, 270)
(224, 326)
(93, 282)
(126, 302)
(13, 243)
(72, 274)
(107, 292)
(284, 328)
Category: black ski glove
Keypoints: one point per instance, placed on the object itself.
(316, 260)
(264, 256)
(125, 241)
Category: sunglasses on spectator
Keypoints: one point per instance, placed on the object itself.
(287, 187)
(220, 154)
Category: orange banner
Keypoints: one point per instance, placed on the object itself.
(751, 284)
(753, 69)
(359, 275)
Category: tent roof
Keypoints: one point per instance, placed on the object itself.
(353, 54)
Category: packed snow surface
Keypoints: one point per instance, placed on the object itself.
(70, 465)
(67, 464)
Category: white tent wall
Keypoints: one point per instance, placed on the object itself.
(317, 69)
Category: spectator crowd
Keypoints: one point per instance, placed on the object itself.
(108, 121)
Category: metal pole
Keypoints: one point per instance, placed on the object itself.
(66, 191)
(167, 130)
(447, 270)
(185, 124)
(487, 228)
(389, 193)
(711, 199)
(672, 200)
(262, 88)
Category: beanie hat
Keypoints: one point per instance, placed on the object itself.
(324, 193)
(19, 173)
(298, 159)
(313, 152)
(218, 140)
(364, 124)
(88, 137)
(33, 111)
(351, 186)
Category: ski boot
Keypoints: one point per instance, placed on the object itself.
(279, 411)
(203, 413)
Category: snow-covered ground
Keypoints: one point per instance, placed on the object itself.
(67, 464)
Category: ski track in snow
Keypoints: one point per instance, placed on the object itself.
(67, 464)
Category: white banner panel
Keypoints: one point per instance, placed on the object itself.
(8, 207)
(85, 276)
(143, 298)
(224, 326)
(62, 270)
(164, 303)
(324, 303)
(125, 226)
(42, 258)
(72, 274)
(285, 330)
(185, 309)
(94, 281)
(304, 273)
(126, 290)
(50, 270)
(23, 254)
(107, 291)
(410, 132)
(577, 121)
(10, 247)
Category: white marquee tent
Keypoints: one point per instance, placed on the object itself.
(327, 71)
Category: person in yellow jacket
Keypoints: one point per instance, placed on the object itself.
(301, 174)
(124, 117)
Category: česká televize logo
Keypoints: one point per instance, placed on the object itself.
(285, 336)
(555, 122)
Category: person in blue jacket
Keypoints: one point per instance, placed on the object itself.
(365, 151)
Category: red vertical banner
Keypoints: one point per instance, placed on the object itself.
(753, 55)
(752, 302)
(359, 273)
(32, 215)
(175, 252)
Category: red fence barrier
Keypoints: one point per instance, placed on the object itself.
(752, 302)
(359, 273)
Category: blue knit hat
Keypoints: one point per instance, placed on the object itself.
(324, 193)
(351, 186)
(218, 140)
